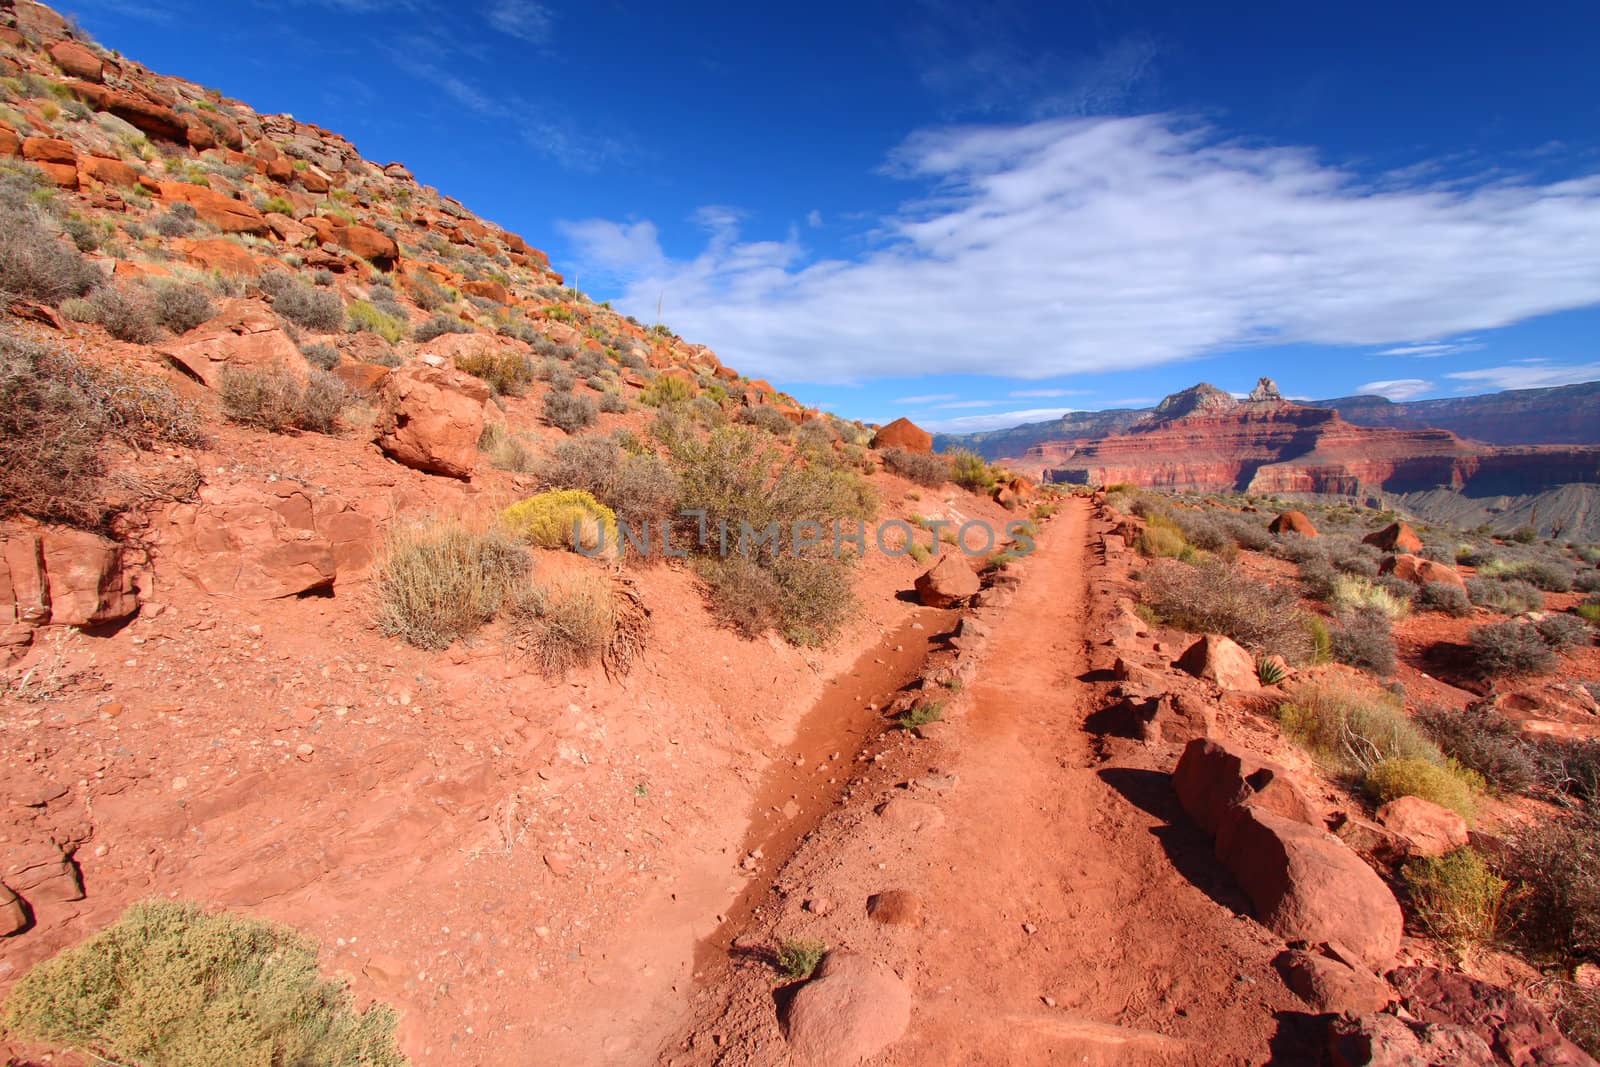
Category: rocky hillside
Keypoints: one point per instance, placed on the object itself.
(1563, 414)
(1203, 440)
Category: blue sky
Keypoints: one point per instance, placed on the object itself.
(975, 214)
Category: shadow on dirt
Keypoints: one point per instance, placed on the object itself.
(1186, 846)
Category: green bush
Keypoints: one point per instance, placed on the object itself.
(563, 518)
(797, 957)
(666, 390)
(1354, 727)
(969, 471)
(1446, 785)
(1456, 897)
(507, 371)
(366, 317)
(439, 581)
(181, 306)
(169, 985)
(1161, 538)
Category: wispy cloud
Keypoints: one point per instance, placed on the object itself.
(1021, 393)
(1110, 244)
(1398, 388)
(927, 398)
(522, 19)
(958, 404)
(1432, 349)
(996, 420)
(1528, 374)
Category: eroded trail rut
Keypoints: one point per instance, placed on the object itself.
(1056, 925)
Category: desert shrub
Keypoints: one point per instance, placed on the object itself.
(638, 487)
(1271, 670)
(613, 402)
(562, 518)
(646, 490)
(798, 957)
(181, 306)
(277, 401)
(171, 984)
(569, 623)
(318, 310)
(742, 594)
(321, 356)
(439, 326)
(1355, 593)
(592, 464)
(1364, 637)
(568, 411)
(1444, 598)
(924, 468)
(590, 363)
(1456, 897)
(1508, 597)
(1549, 575)
(969, 471)
(1300, 549)
(439, 581)
(177, 221)
(365, 316)
(1203, 531)
(34, 260)
(1556, 913)
(123, 309)
(765, 417)
(428, 294)
(1400, 591)
(1353, 727)
(1587, 582)
(1523, 535)
(921, 715)
(1570, 769)
(1482, 740)
(1213, 597)
(1509, 650)
(506, 451)
(506, 371)
(1320, 639)
(1319, 578)
(1563, 632)
(1162, 538)
(666, 389)
(1445, 785)
(1245, 533)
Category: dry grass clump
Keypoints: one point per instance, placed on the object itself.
(506, 451)
(169, 984)
(1456, 897)
(35, 261)
(566, 410)
(123, 308)
(181, 306)
(924, 468)
(567, 624)
(278, 401)
(1212, 597)
(438, 580)
(1354, 727)
(1445, 784)
(639, 487)
(507, 371)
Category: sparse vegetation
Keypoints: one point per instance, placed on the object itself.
(1556, 913)
(1353, 727)
(569, 623)
(666, 389)
(1364, 637)
(181, 306)
(1212, 597)
(1444, 784)
(923, 468)
(439, 580)
(1509, 650)
(367, 317)
(968, 470)
(318, 310)
(798, 957)
(440, 325)
(1482, 740)
(563, 518)
(568, 411)
(1456, 897)
(1443, 598)
(921, 715)
(169, 984)
(278, 401)
(1507, 597)
(124, 309)
(506, 371)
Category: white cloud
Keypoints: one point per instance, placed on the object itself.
(926, 398)
(523, 19)
(1528, 374)
(1087, 245)
(1397, 389)
(1432, 349)
(995, 420)
(814, 218)
(616, 249)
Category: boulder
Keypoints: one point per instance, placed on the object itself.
(488, 290)
(372, 245)
(109, 171)
(947, 583)
(1420, 571)
(41, 872)
(1379, 1039)
(1296, 522)
(1395, 537)
(142, 114)
(1426, 828)
(256, 541)
(289, 231)
(1215, 776)
(1307, 886)
(243, 334)
(1508, 1022)
(1331, 983)
(61, 175)
(903, 433)
(1218, 659)
(895, 907)
(88, 584)
(13, 913)
(430, 418)
(78, 61)
(850, 1011)
(361, 379)
(10, 143)
(222, 211)
(221, 255)
(49, 150)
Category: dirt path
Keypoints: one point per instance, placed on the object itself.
(1068, 912)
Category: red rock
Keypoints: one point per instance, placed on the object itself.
(224, 212)
(1427, 828)
(314, 180)
(61, 175)
(487, 290)
(221, 255)
(1218, 659)
(289, 231)
(13, 914)
(1293, 522)
(1332, 985)
(199, 135)
(431, 418)
(252, 541)
(850, 1011)
(1396, 537)
(280, 170)
(362, 379)
(49, 150)
(1511, 1024)
(895, 907)
(1214, 776)
(245, 334)
(947, 583)
(143, 115)
(88, 583)
(1420, 571)
(1307, 886)
(109, 171)
(10, 143)
(364, 241)
(903, 433)
(78, 61)
(1378, 1039)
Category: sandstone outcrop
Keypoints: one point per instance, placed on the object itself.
(430, 417)
(245, 335)
(850, 1011)
(903, 433)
